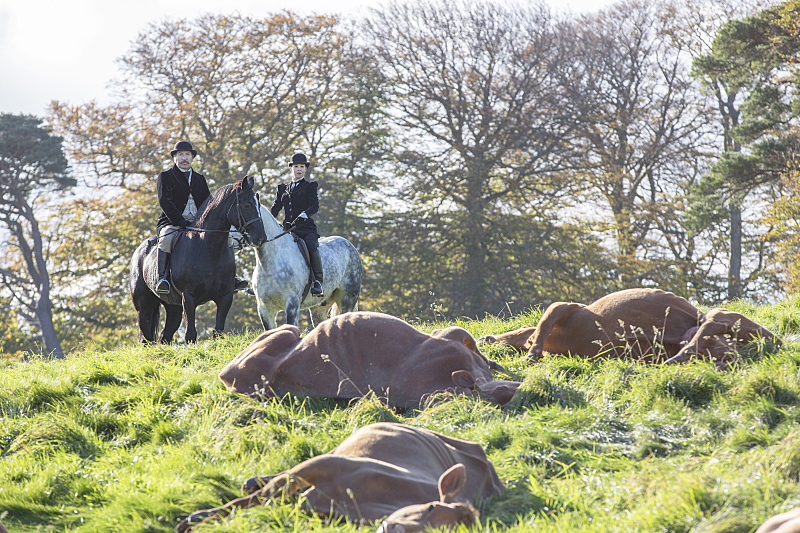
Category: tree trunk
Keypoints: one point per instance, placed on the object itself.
(33, 253)
(735, 265)
(731, 120)
(44, 314)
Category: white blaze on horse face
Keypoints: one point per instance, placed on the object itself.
(298, 171)
(183, 159)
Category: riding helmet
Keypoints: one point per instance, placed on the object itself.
(183, 146)
(299, 159)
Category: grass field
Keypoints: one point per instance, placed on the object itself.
(133, 440)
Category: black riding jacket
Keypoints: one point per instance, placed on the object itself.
(173, 195)
(303, 198)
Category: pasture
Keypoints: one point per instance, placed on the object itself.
(133, 440)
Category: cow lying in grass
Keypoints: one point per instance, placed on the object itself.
(645, 324)
(352, 354)
(412, 477)
(788, 522)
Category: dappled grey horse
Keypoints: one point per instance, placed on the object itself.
(202, 264)
(282, 274)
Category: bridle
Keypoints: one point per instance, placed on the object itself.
(242, 226)
(242, 223)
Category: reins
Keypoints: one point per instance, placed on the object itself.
(242, 228)
(291, 227)
(289, 230)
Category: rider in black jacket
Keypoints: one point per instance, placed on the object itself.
(181, 190)
(299, 202)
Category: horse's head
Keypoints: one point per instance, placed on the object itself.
(247, 216)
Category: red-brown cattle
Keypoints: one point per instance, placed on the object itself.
(353, 353)
(788, 522)
(415, 477)
(497, 391)
(644, 324)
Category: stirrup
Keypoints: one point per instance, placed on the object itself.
(163, 286)
(316, 288)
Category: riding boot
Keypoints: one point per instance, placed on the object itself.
(163, 285)
(316, 268)
(240, 284)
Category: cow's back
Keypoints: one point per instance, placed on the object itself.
(423, 451)
(350, 354)
(623, 319)
(383, 467)
(643, 307)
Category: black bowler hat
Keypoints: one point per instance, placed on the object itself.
(299, 159)
(183, 146)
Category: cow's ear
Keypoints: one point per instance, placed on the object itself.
(463, 379)
(469, 342)
(451, 483)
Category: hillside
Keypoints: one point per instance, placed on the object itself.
(134, 439)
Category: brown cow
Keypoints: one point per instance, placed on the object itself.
(416, 477)
(352, 353)
(646, 324)
(497, 391)
(788, 522)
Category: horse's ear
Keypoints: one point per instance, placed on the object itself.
(249, 181)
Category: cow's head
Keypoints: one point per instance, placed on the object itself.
(443, 513)
(499, 391)
(257, 363)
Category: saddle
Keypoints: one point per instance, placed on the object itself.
(301, 244)
(152, 242)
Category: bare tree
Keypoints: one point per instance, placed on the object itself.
(472, 96)
(32, 164)
(243, 89)
(642, 125)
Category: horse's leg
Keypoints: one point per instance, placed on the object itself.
(223, 306)
(347, 302)
(266, 315)
(147, 310)
(292, 310)
(189, 307)
(172, 323)
(154, 320)
(321, 312)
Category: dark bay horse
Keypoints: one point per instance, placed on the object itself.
(202, 264)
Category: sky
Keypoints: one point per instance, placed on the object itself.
(66, 50)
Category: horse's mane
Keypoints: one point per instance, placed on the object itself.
(213, 201)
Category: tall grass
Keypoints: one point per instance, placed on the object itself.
(132, 440)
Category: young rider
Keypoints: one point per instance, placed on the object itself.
(299, 202)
